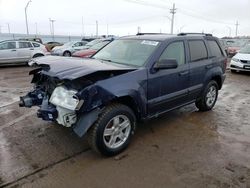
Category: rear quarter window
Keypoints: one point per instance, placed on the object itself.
(36, 45)
(214, 49)
(198, 50)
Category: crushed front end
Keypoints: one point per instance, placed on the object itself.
(57, 101)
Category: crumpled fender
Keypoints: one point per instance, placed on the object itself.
(85, 122)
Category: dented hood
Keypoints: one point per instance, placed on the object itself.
(72, 68)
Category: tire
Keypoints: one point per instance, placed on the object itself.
(67, 54)
(111, 143)
(208, 97)
(38, 55)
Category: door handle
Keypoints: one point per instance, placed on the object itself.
(31, 48)
(183, 73)
(13, 50)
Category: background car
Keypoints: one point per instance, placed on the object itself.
(92, 50)
(51, 45)
(234, 47)
(241, 61)
(68, 48)
(20, 51)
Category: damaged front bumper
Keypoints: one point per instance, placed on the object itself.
(49, 111)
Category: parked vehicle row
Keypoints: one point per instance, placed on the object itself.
(92, 48)
(131, 79)
(68, 48)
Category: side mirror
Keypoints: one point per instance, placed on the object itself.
(166, 64)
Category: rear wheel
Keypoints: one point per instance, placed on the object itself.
(67, 54)
(208, 97)
(112, 132)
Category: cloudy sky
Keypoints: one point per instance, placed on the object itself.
(123, 17)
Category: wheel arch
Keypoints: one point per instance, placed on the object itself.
(37, 55)
(130, 102)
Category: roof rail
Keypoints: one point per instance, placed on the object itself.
(205, 34)
(151, 34)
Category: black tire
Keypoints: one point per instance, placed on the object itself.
(95, 135)
(66, 54)
(201, 103)
(38, 55)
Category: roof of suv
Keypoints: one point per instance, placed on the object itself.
(163, 37)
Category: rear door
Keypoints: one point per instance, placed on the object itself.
(199, 65)
(168, 88)
(8, 52)
(25, 50)
(216, 54)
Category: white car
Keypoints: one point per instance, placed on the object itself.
(20, 51)
(68, 48)
(241, 61)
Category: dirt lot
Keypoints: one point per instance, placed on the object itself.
(184, 148)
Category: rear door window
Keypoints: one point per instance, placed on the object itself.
(214, 48)
(25, 45)
(198, 50)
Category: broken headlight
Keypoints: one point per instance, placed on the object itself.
(64, 98)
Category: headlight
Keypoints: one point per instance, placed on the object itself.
(64, 98)
(235, 60)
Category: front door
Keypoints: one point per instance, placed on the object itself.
(8, 53)
(168, 88)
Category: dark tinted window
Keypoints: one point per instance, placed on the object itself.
(198, 50)
(25, 45)
(175, 51)
(7, 45)
(214, 48)
(36, 45)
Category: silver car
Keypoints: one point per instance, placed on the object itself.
(18, 51)
(68, 48)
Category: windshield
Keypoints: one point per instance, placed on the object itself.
(93, 42)
(245, 50)
(128, 52)
(99, 45)
(69, 44)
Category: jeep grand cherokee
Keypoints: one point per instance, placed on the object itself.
(133, 78)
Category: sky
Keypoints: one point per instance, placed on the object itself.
(123, 17)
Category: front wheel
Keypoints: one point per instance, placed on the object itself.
(113, 130)
(208, 97)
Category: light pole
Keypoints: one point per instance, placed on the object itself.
(52, 28)
(26, 19)
(172, 11)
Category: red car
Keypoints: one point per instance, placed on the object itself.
(92, 50)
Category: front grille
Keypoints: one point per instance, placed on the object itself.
(245, 61)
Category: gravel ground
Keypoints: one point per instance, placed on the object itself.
(184, 148)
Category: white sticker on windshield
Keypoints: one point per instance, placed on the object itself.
(150, 42)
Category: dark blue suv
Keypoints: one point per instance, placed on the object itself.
(133, 78)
